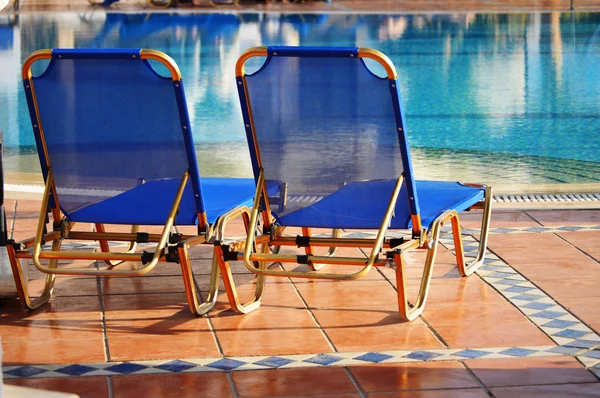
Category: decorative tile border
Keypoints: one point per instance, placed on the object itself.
(572, 337)
(273, 362)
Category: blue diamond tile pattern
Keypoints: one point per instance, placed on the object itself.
(535, 229)
(583, 344)
(519, 289)
(506, 281)
(422, 355)
(226, 364)
(75, 370)
(323, 359)
(528, 297)
(538, 306)
(518, 352)
(274, 362)
(176, 366)
(570, 333)
(548, 314)
(498, 274)
(126, 368)
(559, 324)
(373, 357)
(472, 354)
(25, 371)
(593, 354)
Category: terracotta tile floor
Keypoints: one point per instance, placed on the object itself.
(117, 321)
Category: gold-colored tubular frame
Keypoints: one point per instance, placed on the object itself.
(32, 248)
(257, 262)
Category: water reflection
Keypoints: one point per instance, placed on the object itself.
(520, 83)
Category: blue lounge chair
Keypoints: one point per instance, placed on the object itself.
(332, 128)
(115, 147)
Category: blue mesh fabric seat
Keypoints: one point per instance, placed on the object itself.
(115, 146)
(329, 122)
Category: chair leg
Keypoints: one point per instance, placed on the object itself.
(21, 282)
(407, 311)
(104, 247)
(464, 268)
(191, 291)
(231, 289)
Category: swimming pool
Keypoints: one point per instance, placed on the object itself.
(499, 98)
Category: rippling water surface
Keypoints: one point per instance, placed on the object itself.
(518, 86)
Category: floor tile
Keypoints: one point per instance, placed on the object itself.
(510, 242)
(293, 382)
(265, 318)
(454, 291)
(59, 307)
(50, 329)
(357, 317)
(587, 390)
(382, 337)
(566, 217)
(147, 323)
(492, 334)
(453, 393)
(181, 385)
(571, 288)
(413, 376)
(586, 309)
(85, 387)
(557, 254)
(139, 347)
(127, 305)
(475, 313)
(53, 351)
(372, 294)
(529, 371)
(500, 219)
(273, 342)
(282, 294)
(553, 271)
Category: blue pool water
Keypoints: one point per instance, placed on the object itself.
(523, 85)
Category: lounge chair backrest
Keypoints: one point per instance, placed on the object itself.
(322, 118)
(105, 121)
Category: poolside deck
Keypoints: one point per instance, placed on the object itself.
(527, 324)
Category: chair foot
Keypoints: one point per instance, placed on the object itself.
(230, 287)
(465, 268)
(198, 307)
(21, 282)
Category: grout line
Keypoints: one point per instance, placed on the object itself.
(208, 319)
(355, 382)
(473, 375)
(102, 316)
(577, 248)
(232, 385)
(109, 383)
(312, 315)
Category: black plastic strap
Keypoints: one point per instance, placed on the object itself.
(302, 241)
(147, 257)
(303, 259)
(396, 242)
(172, 255)
(228, 254)
(142, 237)
(175, 238)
